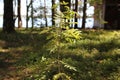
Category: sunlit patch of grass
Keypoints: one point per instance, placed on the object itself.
(115, 75)
(95, 56)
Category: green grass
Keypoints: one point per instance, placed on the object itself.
(35, 55)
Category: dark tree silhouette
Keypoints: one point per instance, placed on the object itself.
(19, 14)
(53, 12)
(32, 13)
(8, 21)
(76, 10)
(84, 14)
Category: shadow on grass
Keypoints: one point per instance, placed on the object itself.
(7, 68)
(23, 39)
(15, 46)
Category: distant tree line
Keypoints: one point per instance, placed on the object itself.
(34, 13)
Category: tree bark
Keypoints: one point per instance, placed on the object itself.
(84, 14)
(76, 10)
(19, 14)
(27, 18)
(45, 15)
(32, 13)
(8, 21)
(53, 13)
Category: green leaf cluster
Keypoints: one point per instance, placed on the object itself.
(71, 35)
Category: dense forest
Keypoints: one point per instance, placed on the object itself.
(63, 51)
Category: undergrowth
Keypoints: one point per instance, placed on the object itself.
(94, 56)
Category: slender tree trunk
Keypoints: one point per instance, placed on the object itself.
(53, 12)
(27, 10)
(45, 15)
(76, 10)
(8, 22)
(84, 14)
(27, 14)
(19, 14)
(32, 13)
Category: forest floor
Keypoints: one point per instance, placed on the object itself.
(32, 55)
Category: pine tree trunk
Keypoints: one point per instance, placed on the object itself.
(84, 14)
(19, 14)
(27, 7)
(8, 21)
(76, 10)
(45, 15)
(32, 13)
(53, 13)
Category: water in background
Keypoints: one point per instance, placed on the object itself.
(1, 21)
(41, 22)
(89, 22)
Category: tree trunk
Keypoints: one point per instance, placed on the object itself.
(76, 10)
(19, 14)
(53, 12)
(45, 15)
(27, 7)
(32, 13)
(98, 15)
(84, 14)
(8, 21)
